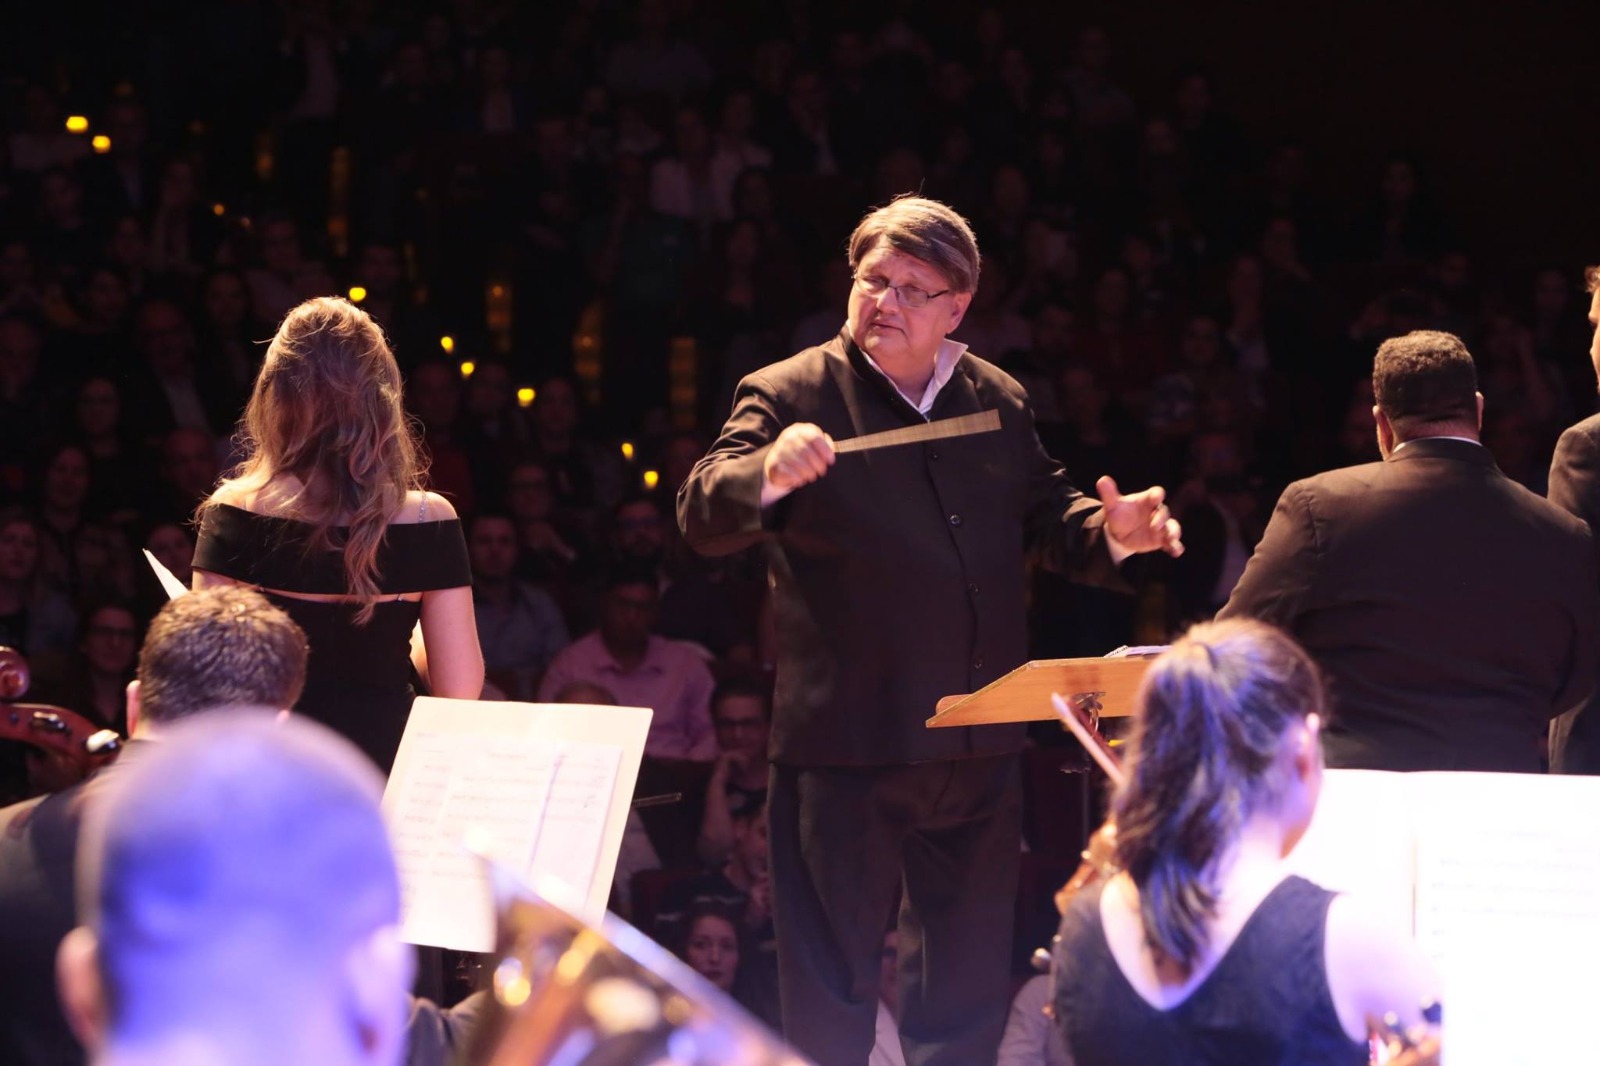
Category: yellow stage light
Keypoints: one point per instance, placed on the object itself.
(100, 143)
(651, 480)
(448, 344)
(467, 367)
(525, 397)
(627, 450)
(77, 124)
(357, 294)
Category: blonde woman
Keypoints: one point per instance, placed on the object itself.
(327, 516)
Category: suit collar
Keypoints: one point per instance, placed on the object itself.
(1464, 451)
(948, 360)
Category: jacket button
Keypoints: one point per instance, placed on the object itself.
(933, 455)
(977, 662)
(972, 588)
(955, 520)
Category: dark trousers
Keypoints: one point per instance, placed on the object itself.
(843, 840)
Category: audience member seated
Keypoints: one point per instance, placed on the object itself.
(1205, 948)
(550, 554)
(743, 887)
(93, 681)
(694, 606)
(642, 670)
(520, 628)
(717, 946)
(239, 838)
(205, 650)
(34, 618)
(741, 714)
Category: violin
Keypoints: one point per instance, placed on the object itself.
(60, 747)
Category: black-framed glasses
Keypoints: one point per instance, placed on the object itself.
(909, 295)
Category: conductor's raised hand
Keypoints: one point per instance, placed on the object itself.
(1140, 521)
(801, 454)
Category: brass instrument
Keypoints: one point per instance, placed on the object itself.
(565, 993)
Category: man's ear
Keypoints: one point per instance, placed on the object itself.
(958, 309)
(135, 708)
(1385, 431)
(377, 975)
(1479, 395)
(81, 989)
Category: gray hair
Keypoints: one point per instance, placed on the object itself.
(923, 229)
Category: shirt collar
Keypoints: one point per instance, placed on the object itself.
(944, 367)
(1413, 440)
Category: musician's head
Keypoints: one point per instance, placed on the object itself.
(326, 432)
(916, 264)
(213, 649)
(1226, 741)
(238, 902)
(1425, 385)
(1591, 284)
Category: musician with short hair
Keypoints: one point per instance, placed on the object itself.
(898, 577)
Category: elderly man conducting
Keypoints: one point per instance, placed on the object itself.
(898, 578)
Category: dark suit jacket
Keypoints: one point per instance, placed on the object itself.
(1575, 486)
(1453, 611)
(898, 577)
(38, 847)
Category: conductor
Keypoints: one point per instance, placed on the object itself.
(898, 578)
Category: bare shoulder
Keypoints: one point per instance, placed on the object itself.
(423, 506)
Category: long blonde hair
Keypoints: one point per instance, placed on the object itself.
(326, 410)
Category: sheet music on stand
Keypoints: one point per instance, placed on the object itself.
(1498, 878)
(543, 788)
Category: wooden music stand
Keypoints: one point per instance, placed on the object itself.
(1105, 687)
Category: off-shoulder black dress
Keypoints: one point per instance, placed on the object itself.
(359, 676)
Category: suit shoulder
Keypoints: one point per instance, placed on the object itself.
(986, 376)
(1586, 431)
(805, 369)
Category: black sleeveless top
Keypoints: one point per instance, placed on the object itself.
(1266, 1004)
(358, 679)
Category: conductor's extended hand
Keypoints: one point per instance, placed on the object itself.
(1140, 521)
(801, 454)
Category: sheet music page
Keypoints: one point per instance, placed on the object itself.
(567, 845)
(1508, 907)
(1360, 841)
(492, 787)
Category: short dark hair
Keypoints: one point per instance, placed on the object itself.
(1425, 378)
(220, 647)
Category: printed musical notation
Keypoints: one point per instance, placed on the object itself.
(537, 805)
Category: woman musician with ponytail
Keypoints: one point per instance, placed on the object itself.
(1205, 948)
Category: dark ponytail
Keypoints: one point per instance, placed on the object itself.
(1213, 711)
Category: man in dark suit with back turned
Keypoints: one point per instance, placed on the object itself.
(205, 650)
(1575, 485)
(1454, 612)
(898, 578)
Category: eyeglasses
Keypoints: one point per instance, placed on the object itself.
(908, 295)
